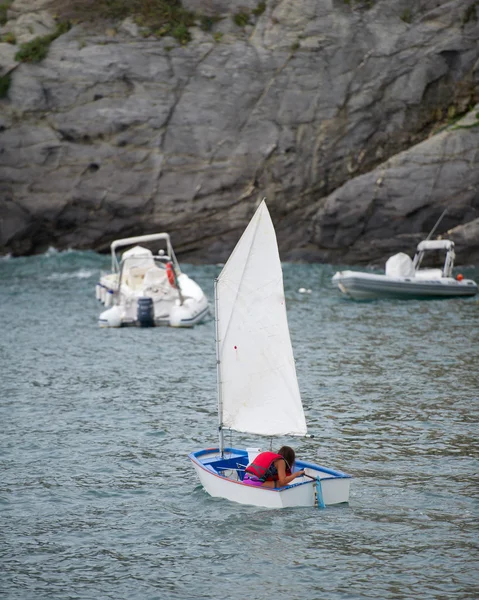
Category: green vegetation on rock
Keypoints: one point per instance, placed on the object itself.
(4, 85)
(37, 49)
(241, 19)
(159, 17)
(9, 38)
(469, 125)
(470, 14)
(259, 10)
(156, 17)
(4, 6)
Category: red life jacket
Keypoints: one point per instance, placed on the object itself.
(260, 467)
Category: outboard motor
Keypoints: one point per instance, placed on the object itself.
(145, 312)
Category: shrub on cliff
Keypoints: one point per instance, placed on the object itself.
(37, 49)
(4, 6)
(161, 17)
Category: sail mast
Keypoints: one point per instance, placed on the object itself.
(218, 375)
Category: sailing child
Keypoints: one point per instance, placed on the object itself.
(270, 469)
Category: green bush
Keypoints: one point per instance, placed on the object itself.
(259, 10)
(181, 33)
(241, 19)
(159, 17)
(4, 6)
(37, 49)
(9, 38)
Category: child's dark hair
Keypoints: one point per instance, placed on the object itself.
(288, 454)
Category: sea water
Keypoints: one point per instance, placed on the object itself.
(99, 501)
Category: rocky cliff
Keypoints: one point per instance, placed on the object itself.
(343, 114)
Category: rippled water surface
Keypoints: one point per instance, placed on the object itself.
(98, 499)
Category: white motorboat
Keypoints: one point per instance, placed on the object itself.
(258, 391)
(149, 290)
(404, 278)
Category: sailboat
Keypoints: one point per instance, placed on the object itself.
(258, 390)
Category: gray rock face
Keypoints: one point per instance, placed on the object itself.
(391, 207)
(310, 105)
(219, 7)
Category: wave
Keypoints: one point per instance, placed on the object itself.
(80, 274)
(52, 251)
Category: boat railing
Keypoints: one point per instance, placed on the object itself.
(432, 245)
(131, 241)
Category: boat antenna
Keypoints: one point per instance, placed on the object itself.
(437, 223)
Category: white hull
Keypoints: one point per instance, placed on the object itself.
(168, 310)
(334, 484)
(367, 286)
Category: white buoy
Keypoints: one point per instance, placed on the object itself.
(110, 317)
(176, 315)
(182, 315)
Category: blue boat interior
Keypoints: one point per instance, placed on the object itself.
(235, 462)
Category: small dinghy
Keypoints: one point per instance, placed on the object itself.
(404, 278)
(258, 391)
(149, 290)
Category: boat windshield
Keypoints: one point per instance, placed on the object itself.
(160, 242)
(429, 254)
(145, 273)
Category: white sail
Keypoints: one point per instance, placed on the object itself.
(258, 387)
